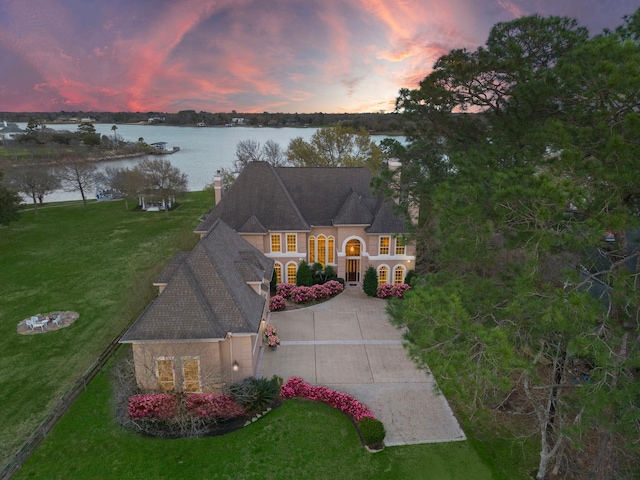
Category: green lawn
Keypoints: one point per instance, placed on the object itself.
(300, 440)
(99, 262)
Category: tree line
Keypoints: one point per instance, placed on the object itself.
(378, 122)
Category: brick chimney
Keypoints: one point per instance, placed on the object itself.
(217, 186)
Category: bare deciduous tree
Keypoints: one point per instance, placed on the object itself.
(76, 173)
(34, 181)
(162, 180)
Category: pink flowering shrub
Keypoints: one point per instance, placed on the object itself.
(304, 294)
(285, 289)
(159, 405)
(386, 290)
(273, 341)
(269, 330)
(277, 303)
(212, 406)
(296, 387)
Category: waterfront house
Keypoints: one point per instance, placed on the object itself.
(327, 215)
(206, 326)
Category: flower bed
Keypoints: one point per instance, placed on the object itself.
(296, 387)
(277, 303)
(387, 290)
(160, 405)
(212, 406)
(302, 294)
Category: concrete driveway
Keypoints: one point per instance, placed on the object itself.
(348, 344)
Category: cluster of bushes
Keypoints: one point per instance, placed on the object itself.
(387, 290)
(303, 294)
(315, 274)
(197, 414)
(371, 430)
(296, 387)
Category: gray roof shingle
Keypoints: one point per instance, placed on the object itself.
(207, 295)
(295, 198)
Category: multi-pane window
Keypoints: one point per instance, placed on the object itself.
(383, 275)
(400, 246)
(277, 267)
(384, 245)
(275, 243)
(322, 250)
(292, 269)
(166, 380)
(291, 242)
(398, 275)
(330, 250)
(312, 250)
(191, 374)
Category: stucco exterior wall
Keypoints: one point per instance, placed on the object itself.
(369, 253)
(146, 354)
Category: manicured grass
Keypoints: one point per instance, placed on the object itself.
(99, 262)
(301, 439)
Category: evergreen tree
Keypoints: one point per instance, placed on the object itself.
(370, 282)
(511, 198)
(303, 276)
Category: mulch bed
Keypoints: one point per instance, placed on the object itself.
(66, 318)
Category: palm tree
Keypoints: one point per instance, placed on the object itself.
(115, 138)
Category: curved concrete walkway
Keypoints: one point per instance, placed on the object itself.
(348, 344)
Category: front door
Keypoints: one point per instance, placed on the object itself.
(353, 270)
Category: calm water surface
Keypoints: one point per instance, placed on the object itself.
(203, 150)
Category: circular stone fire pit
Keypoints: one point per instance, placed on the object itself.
(66, 319)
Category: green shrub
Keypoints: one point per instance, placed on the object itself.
(372, 431)
(303, 276)
(370, 282)
(274, 283)
(410, 278)
(329, 273)
(255, 393)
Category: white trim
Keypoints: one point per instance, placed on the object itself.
(389, 270)
(380, 237)
(363, 246)
(287, 270)
(395, 258)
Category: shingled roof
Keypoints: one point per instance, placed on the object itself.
(207, 294)
(265, 198)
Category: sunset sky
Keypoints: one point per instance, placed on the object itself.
(289, 56)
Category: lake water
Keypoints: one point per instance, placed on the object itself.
(203, 150)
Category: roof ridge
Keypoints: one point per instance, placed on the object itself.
(288, 195)
(195, 286)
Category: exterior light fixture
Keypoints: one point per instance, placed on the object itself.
(235, 366)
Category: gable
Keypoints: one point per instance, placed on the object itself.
(208, 295)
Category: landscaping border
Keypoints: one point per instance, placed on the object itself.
(60, 408)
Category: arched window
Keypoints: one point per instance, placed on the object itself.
(353, 248)
(322, 250)
(330, 250)
(312, 250)
(277, 267)
(398, 274)
(292, 269)
(383, 275)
